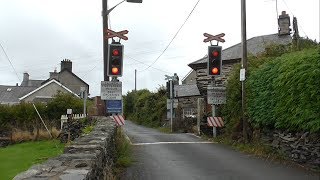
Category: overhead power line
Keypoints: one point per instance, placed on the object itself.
(146, 64)
(10, 61)
(173, 37)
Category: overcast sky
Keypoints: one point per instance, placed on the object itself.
(38, 34)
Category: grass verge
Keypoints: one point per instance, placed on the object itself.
(123, 153)
(19, 157)
(164, 129)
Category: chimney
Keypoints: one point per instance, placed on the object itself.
(284, 24)
(66, 64)
(25, 79)
(54, 75)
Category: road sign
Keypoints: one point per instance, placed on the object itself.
(114, 106)
(175, 103)
(118, 119)
(216, 95)
(111, 90)
(242, 74)
(215, 121)
(69, 111)
(120, 34)
(210, 37)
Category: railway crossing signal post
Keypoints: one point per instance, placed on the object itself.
(214, 64)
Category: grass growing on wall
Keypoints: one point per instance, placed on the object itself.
(20, 157)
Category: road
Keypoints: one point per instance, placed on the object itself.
(184, 156)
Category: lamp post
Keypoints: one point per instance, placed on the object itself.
(105, 13)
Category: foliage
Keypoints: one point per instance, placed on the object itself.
(145, 107)
(24, 116)
(123, 149)
(284, 93)
(61, 102)
(282, 89)
(87, 129)
(17, 158)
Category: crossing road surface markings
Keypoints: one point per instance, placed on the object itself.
(156, 143)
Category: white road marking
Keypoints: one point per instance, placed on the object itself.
(155, 143)
(194, 135)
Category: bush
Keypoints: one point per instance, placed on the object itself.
(145, 107)
(282, 89)
(285, 94)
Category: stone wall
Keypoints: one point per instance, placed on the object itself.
(88, 157)
(303, 148)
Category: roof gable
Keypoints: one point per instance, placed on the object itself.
(186, 90)
(46, 84)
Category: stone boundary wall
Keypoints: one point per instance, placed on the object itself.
(303, 148)
(88, 157)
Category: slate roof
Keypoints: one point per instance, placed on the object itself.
(44, 85)
(11, 94)
(186, 90)
(255, 46)
(34, 83)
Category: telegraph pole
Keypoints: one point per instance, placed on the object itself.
(105, 40)
(135, 80)
(244, 66)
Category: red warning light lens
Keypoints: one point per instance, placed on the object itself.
(215, 53)
(115, 52)
(215, 70)
(115, 70)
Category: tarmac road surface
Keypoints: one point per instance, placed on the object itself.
(160, 156)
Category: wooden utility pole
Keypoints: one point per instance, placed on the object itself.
(105, 40)
(244, 65)
(135, 80)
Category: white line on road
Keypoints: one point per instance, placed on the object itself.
(194, 135)
(155, 143)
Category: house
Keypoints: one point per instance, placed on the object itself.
(43, 90)
(187, 95)
(46, 92)
(232, 55)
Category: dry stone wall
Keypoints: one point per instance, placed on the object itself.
(89, 157)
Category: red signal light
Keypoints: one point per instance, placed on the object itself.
(115, 70)
(215, 53)
(115, 52)
(215, 70)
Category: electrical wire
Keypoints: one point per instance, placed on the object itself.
(173, 37)
(294, 16)
(146, 64)
(10, 61)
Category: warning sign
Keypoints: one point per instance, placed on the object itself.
(111, 90)
(217, 95)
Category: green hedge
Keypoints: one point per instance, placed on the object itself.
(23, 116)
(145, 107)
(284, 93)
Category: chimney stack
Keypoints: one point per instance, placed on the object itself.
(25, 79)
(66, 64)
(284, 24)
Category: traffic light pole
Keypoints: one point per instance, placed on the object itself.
(171, 104)
(105, 40)
(214, 129)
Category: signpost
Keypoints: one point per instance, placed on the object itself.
(114, 106)
(216, 95)
(216, 37)
(111, 90)
(120, 34)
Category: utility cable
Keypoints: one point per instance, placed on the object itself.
(173, 37)
(146, 64)
(294, 16)
(10, 61)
